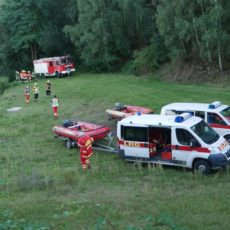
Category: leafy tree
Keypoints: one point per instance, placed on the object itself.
(24, 24)
(32, 29)
(138, 21)
(150, 58)
(174, 24)
(189, 26)
(92, 34)
(107, 32)
(7, 56)
(52, 40)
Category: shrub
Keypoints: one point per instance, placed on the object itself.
(4, 84)
(149, 59)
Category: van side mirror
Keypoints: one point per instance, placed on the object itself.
(194, 143)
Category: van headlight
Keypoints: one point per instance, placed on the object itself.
(211, 149)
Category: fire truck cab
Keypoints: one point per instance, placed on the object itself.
(176, 140)
(54, 66)
(215, 114)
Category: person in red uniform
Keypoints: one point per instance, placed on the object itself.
(27, 94)
(85, 144)
(55, 104)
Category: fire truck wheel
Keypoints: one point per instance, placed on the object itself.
(202, 167)
(227, 138)
(68, 144)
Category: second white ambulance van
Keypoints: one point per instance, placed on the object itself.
(215, 114)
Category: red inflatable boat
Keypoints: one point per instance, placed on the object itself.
(123, 111)
(102, 135)
(71, 131)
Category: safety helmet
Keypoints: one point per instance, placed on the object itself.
(48, 81)
(35, 84)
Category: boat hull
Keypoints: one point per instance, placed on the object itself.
(79, 128)
(127, 111)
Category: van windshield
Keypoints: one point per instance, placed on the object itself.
(205, 132)
(226, 113)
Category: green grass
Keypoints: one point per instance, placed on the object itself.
(41, 182)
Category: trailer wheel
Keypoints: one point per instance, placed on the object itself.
(202, 167)
(68, 144)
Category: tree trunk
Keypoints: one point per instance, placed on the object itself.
(33, 51)
(219, 58)
(219, 45)
(196, 35)
(206, 32)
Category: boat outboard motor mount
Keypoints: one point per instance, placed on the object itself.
(118, 106)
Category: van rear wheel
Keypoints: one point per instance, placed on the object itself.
(202, 167)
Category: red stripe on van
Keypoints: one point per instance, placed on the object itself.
(120, 142)
(219, 126)
(133, 144)
(188, 148)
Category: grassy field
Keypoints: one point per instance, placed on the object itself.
(41, 182)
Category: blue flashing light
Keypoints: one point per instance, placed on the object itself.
(182, 117)
(179, 119)
(139, 113)
(214, 105)
(211, 106)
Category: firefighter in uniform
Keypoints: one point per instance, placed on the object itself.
(48, 88)
(85, 144)
(27, 94)
(36, 91)
(55, 104)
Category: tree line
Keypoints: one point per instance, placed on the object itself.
(108, 35)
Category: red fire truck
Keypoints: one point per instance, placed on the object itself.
(54, 66)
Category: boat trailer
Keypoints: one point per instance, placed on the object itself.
(70, 131)
(106, 144)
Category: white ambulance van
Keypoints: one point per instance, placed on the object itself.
(176, 140)
(215, 114)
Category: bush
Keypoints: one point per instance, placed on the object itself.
(149, 59)
(4, 84)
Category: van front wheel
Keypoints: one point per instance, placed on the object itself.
(202, 167)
